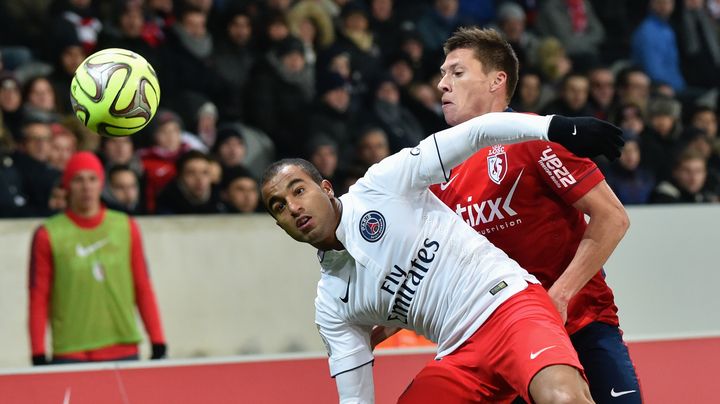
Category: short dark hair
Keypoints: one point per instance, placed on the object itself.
(120, 168)
(274, 168)
(186, 157)
(491, 49)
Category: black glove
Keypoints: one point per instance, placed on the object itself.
(158, 351)
(39, 360)
(586, 136)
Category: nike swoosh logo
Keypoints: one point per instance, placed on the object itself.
(444, 185)
(534, 355)
(347, 292)
(620, 393)
(83, 252)
(574, 130)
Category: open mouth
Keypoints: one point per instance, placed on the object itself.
(303, 223)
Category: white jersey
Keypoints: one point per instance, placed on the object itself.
(410, 261)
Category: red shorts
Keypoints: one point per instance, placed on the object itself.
(496, 364)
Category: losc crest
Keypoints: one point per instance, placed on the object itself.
(497, 164)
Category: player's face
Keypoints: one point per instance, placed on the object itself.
(84, 193)
(467, 89)
(301, 207)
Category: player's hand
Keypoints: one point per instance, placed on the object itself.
(560, 304)
(587, 136)
(159, 351)
(39, 360)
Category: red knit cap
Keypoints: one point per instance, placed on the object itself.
(82, 161)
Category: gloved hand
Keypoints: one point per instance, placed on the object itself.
(586, 136)
(39, 360)
(158, 351)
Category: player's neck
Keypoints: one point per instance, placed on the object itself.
(335, 244)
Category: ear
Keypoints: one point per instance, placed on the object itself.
(499, 81)
(327, 188)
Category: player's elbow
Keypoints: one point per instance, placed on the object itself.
(622, 220)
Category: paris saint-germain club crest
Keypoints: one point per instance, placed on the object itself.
(372, 226)
(497, 164)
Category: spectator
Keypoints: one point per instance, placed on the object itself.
(616, 16)
(130, 31)
(655, 47)
(423, 102)
(88, 276)
(659, 138)
(439, 22)
(421, 59)
(575, 24)
(115, 151)
(372, 146)
(322, 151)
(230, 147)
(206, 125)
(400, 68)
(552, 61)
(696, 140)
(160, 17)
(62, 146)
(240, 192)
(281, 91)
(186, 65)
(275, 30)
(234, 57)
(531, 95)
(68, 55)
(310, 23)
(511, 22)
(13, 200)
(401, 126)
(11, 104)
(355, 37)
(704, 118)
(33, 162)
(602, 92)
(159, 160)
(123, 190)
(39, 97)
(633, 86)
(385, 26)
(687, 184)
(331, 113)
(191, 192)
(573, 97)
(631, 182)
(79, 17)
(699, 45)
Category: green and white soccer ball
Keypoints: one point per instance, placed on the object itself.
(115, 92)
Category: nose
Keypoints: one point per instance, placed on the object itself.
(295, 208)
(443, 85)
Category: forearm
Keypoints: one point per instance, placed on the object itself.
(600, 239)
(460, 142)
(144, 294)
(356, 386)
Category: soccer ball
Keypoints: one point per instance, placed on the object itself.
(115, 92)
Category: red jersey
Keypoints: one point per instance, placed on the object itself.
(520, 197)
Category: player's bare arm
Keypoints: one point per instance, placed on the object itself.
(607, 226)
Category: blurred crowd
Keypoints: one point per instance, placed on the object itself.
(344, 83)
